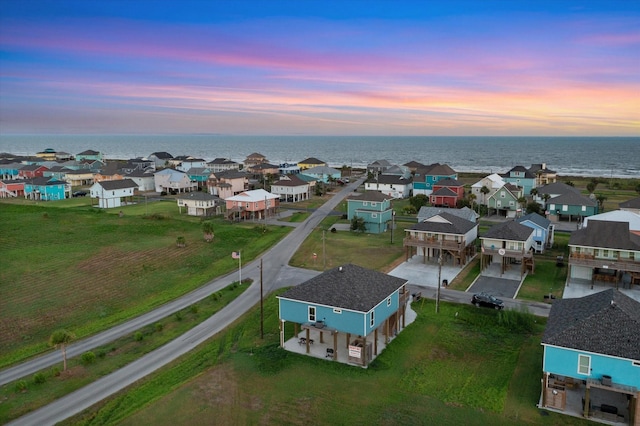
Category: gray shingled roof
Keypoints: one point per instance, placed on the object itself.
(198, 196)
(391, 180)
(542, 222)
(347, 287)
(312, 160)
(376, 196)
(448, 182)
(607, 323)
(572, 199)
(634, 203)
(457, 225)
(118, 184)
(427, 211)
(605, 234)
(445, 192)
(509, 230)
(557, 188)
(291, 180)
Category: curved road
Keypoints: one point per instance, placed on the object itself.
(276, 274)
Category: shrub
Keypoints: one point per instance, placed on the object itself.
(88, 358)
(55, 371)
(193, 309)
(178, 316)
(138, 336)
(39, 378)
(159, 326)
(21, 386)
(101, 353)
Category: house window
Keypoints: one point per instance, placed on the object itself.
(388, 301)
(584, 208)
(511, 203)
(584, 364)
(565, 208)
(502, 194)
(373, 204)
(374, 215)
(364, 203)
(371, 319)
(337, 311)
(635, 363)
(312, 314)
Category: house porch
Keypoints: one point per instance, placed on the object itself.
(595, 399)
(333, 345)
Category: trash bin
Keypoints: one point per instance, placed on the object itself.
(445, 283)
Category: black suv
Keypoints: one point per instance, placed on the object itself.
(487, 300)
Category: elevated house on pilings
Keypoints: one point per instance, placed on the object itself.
(348, 314)
(443, 233)
(509, 244)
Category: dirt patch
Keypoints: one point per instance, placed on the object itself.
(218, 386)
(77, 371)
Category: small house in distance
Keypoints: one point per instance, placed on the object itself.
(373, 207)
(110, 193)
(348, 314)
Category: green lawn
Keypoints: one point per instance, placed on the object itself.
(461, 366)
(77, 267)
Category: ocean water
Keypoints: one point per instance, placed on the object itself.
(569, 156)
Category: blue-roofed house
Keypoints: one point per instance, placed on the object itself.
(374, 207)
(348, 314)
(543, 230)
(323, 173)
(592, 348)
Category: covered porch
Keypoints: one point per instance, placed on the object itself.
(333, 345)
(598, 400)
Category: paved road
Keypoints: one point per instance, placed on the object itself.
(456, 296)
(276, 274)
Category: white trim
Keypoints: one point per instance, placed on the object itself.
(590, 353)
(588, 358)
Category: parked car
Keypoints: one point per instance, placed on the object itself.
(79, 193)
(487, 300)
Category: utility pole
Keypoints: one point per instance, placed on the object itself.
(393, 223)
(261, 305)
(439, 275)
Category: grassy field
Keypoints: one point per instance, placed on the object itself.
(44, 387)
(67, 265)
(461, 366)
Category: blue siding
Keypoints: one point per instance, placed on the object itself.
(382, 312)
(564, 362)
(346, 322)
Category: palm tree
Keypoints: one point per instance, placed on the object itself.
(601, 199)
(207, 229)
(484, 191)
(472, 199)
(60, 339)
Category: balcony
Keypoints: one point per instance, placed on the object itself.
(591, 261)
(432, 243)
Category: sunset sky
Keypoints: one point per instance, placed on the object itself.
(534, 68)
